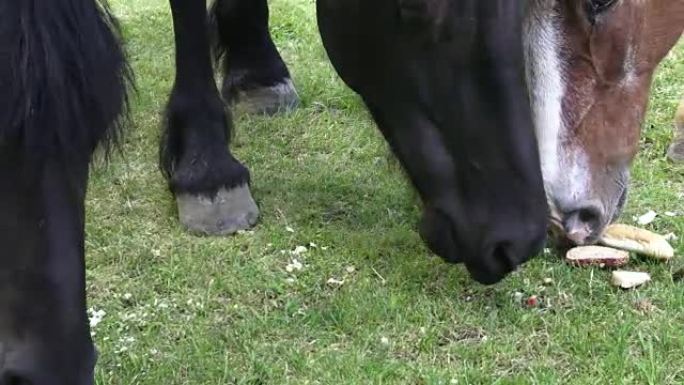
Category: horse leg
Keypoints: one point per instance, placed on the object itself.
(211, 187)
(63, 80)
(255, 76)
(44, 328)
(676, 151)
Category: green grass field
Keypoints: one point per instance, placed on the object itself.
(181, 309)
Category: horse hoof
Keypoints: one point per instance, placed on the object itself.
(676, 151)
(281, 97)
(230, 211)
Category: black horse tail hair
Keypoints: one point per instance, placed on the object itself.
(64, 77)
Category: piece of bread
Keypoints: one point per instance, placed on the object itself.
(629, 279)
(637, 240)
(597, 256)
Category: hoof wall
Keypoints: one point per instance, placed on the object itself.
(279, 98)
(230, 211)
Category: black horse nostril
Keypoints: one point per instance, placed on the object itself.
(502, 256)
(581, 225)
(493, 264)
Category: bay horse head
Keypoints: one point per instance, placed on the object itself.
(589, 68)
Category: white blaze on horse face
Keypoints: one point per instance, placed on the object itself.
(630, 68)
(580, 79)
(543, 39)
(572, 185)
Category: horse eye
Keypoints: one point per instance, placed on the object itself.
(595, 7)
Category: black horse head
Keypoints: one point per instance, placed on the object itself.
(445, 82)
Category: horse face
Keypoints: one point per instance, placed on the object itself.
(445, 83)
(590, 64)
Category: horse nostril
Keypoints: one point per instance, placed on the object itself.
(502, 256)
(582, 225)
(589, 215)
(494, 264)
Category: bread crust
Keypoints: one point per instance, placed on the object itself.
(597, 256)
(637, 240)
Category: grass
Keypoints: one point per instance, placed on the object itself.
(192, 310)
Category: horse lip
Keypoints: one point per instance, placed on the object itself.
(449, 254)
(486, 277)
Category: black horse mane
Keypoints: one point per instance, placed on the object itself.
(67, 76)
